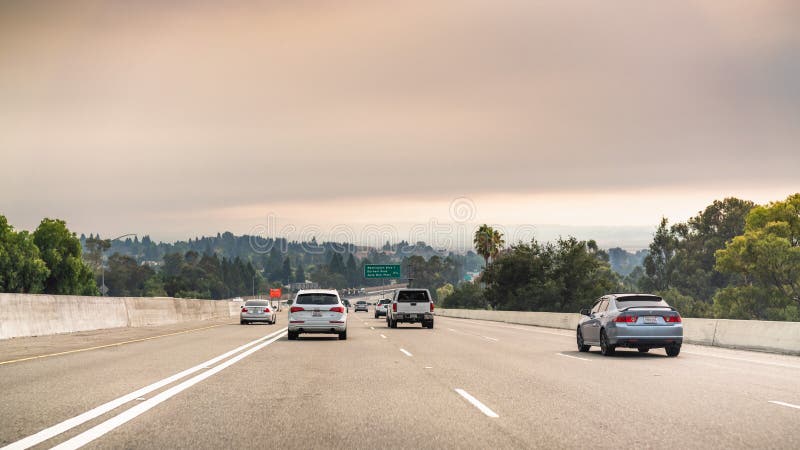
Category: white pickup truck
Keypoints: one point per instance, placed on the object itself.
(410, 306)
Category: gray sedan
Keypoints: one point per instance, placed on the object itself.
(257, 311)
(639, 321)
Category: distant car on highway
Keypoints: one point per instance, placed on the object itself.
(380, 307)
(317, 311)
(361, 305)
(639, 321)
(257, 311)
(410, 306)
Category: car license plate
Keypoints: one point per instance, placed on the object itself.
(316, 314)
(650, 319)
(412, 316)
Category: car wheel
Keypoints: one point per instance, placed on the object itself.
(376, 315)
(606, 349)
(292, 335)
(430, 325)
(644, 350)
(581, 346)
(673, 350)
(343, 335)
(394, 324)
(242, 322)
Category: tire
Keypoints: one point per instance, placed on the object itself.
(583, 348)
(343, 335)
(673, 350)
(242, 322)
(606, 349)
(393, 324)
(430, 325)
(376, 315)
(292, 336)
(644, 350)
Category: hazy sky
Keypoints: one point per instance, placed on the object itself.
(181, 118)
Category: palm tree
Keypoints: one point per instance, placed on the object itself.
(488, 242)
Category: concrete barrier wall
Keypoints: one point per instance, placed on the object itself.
(775, 337)
(39, 315)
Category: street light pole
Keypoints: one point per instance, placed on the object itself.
(103, 287)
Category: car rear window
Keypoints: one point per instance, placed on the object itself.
(412, 296)
(385, 301)
(646, 301)
(317, 299)
(361, 303)
(256, 303)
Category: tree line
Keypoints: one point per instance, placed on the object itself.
(734, 259)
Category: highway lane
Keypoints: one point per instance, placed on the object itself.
(391, 388)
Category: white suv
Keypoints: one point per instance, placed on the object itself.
(317, 311)
(380, 307)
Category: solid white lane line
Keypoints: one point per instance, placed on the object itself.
(754, 361)
(473, 334)
(573, 357)
(476, 403)
(383, 336)
(406, 352)
(130, 414)
(789, 405)
(68, 424)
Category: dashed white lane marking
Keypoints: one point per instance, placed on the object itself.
(573, 357)
(130, 414)
(371, 328)
(406, 352)
(490, 338)
(428, 367)
(473, 334)
(788, 405)
(384, 337)
(477, 403)
(69, 424)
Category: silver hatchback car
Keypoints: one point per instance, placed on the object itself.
(639, 321)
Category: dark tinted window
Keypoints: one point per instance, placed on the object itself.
(646, 301)
(317, 299)
(385, 301)
(256, 303)
(412, 296)
(361, 302)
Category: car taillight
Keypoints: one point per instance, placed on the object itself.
(295, 309)
(626, 318)
(244, 309)
(338, 309)
(431, 306)
(394, 307)
(266, 309)
(672, 319)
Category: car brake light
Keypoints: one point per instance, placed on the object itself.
(672, 319)
(394, 307)
(244, 309)
(431, 306)
(295, 309)
(338, 309)
(626, 318)
(266, 309)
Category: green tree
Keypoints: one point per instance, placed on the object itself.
(443, 292)
(300, 274)
(95, 248)
(21, 268)
(286, 271)
(488, 242)
(467, 296)
(658, 264)
(60, 249)
(767, 257)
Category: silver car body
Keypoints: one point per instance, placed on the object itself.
(380, 307)
(257, 311)
(361, 305)
(640, 321)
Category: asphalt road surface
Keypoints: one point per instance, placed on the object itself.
(464, 384)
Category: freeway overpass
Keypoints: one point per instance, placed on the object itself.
(464, 384)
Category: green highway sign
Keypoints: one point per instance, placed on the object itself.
(382, 271)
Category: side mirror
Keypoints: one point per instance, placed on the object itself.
(585, 312)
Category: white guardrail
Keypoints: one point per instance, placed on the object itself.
(774, 337)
